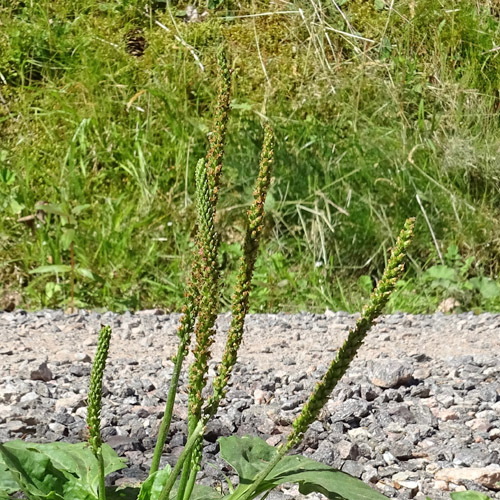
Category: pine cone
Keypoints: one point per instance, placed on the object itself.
(135, 42)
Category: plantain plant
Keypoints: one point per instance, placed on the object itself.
(64, 471)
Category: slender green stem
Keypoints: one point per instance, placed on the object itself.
(102, 486)
(198, 431)
(213, 167)
(190, 483)
(184, 478)
(169, 408)
(184, 333)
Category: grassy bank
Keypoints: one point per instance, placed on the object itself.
(381, 111)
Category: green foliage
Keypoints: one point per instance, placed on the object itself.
(250, 455)
(373, 112)
(455, 279)
(83, 123)
(152, 487)
(53, 470)
(469, 495)
(459, 281)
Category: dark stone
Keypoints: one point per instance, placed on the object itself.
(325, 453)
(43, 373)
(489, 393)
(402, 450)
(80, 370)
(121, 444)
(217, 428)
(291, 404)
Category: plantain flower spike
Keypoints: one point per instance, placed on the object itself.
(209, 293)
(346, 353)
(95, 389)
(247, 264)
(217, 138)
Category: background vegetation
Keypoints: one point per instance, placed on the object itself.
(382, 109)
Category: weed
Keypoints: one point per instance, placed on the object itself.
(77, 471)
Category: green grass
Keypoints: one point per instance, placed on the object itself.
(363, 127)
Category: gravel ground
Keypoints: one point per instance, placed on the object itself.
(417, 414)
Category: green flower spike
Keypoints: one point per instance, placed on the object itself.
(207, 313)
(209, 295)
(345, 355)
(240, 298)
(95, 400)
(95, 389)
(217, 138)
(349, 349)
(213, 163)
(247, 264)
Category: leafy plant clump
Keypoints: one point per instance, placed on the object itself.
(62, 471)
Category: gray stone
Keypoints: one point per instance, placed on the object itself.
(325, 453)
(353, 468)
(29, 398)
(347, 450)
(390, 373)
(82, 357)
(402, 450)
(351, 411)
(370, 474)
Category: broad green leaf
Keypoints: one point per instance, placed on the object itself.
(57, 470)
(201, 492)
(86, 273)
(7, 176)
(469, 495)
(7, 482)
(151, 488)
(51, 289)
(67, 237)
(33, 472)
(78, 459)
(441, 273)
(112, 462)
(53, 268)
(489, 289)
(452, 253)
(15, 207)
(250, 455)
(80, 208)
